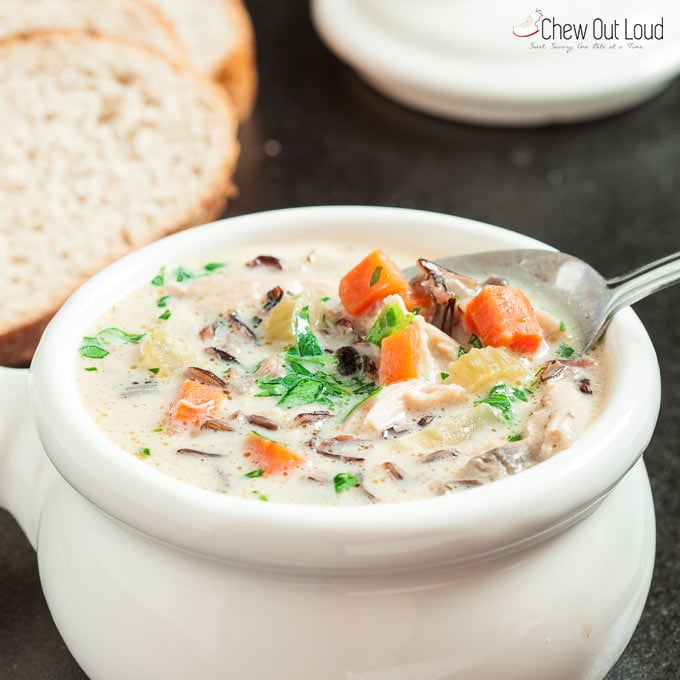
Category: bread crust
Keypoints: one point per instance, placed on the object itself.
(238, 72)
(18, 343)
(168, 28)
(143, 7)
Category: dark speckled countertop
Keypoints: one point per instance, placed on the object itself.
(607, 191)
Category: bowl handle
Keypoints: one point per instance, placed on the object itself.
(26, 474)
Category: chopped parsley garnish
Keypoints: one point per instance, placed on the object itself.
(92, 351)
(302, 385)
(159, 279)
(502, 396)
(563, 326)
(474, 341)
(181, 274)
(165, 315)
(392, 318)
(154, 370)
(515, 437)
(537, 377)
(91, 368)
(306, 344)
(162, 301)
(310, 374)
(461, 351)
(92, 346)
(370, 395)
(443, 375)
(566, 351)
(260, 496)
(254, 473)
(343, 481)
(375, 276)
(212, 266)
(109, 334)
(145, 451)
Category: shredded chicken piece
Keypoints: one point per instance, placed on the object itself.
(439, 349)
(403, 401)
(549, 322)
(568, 414)
(499, 462)
(273, 366)
(563, 416)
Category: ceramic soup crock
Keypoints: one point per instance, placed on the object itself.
(542, 575)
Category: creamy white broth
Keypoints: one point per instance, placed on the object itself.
(411, 440)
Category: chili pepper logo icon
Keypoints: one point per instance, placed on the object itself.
(528, 27)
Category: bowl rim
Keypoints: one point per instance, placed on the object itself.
(478, 523)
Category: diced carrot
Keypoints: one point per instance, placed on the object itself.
(502, 316)
(416, 299)
(400, 356)
(195, 401)
(373, 279)
(270, 456)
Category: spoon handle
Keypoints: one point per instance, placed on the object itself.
(639, 283)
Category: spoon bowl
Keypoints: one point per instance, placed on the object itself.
(567, 286)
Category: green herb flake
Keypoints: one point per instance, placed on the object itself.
(304, 383)
(343, 481)
(145, 451)
(92, 345)
(375, 276)
(213, 266)
(92, 351)
(515, 437)
(370, 395)
(260, 496)
(162, 301)
(254, 473)
(502, 397)
(565, 351)
(159, 279)
(165, 315)
(306, 344)
(154, 370)
(91, 368)
(537, 377)
(563, 326)
(461, 351)
(443, 375)
(157, 429)
(182, 274)
(110, 334)
(392, 318)
(474, 341)
(325, 298)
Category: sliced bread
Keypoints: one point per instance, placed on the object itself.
(106, 146)
(219, 40)
(131, 20)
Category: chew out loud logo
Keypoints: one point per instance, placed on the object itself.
(541, 26)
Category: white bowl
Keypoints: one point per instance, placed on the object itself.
(540, 575)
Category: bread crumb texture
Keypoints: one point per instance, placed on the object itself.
(131, 20)
(106, 146)
(218, 38)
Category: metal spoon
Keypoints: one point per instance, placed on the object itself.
(567, 286)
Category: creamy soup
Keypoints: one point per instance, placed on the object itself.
(325, 377)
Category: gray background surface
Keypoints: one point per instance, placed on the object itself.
(607, 191)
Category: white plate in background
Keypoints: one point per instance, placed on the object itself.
(477, 62)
